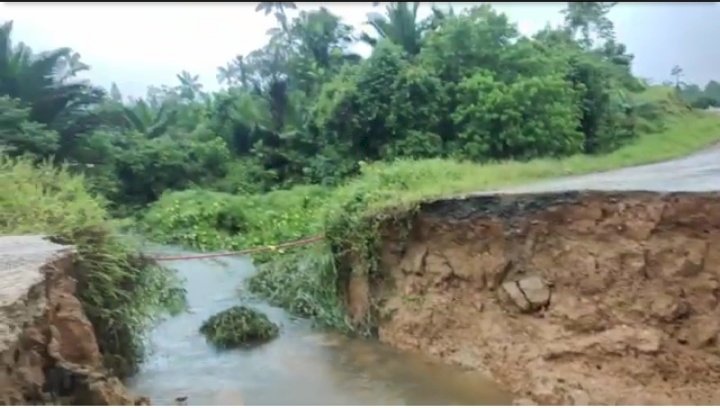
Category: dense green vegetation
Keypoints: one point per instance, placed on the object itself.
(309, 138)
(238, 326)
(305, 110)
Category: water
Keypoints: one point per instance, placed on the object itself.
(303, 366)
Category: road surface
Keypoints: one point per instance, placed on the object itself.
(697, 172)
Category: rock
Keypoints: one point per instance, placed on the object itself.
(702, 331)
(528, 294)
(616, 341)
(512, 290)
(535, 290)
(579, 397)
(105, 392)
(668, 308)
(413, 262)
(579, 314)
(74, 333)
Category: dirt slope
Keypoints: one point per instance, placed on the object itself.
(564, 298)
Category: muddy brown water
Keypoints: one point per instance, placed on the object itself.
(303, 366)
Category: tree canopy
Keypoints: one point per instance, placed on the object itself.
(305, 109)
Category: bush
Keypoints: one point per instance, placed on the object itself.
(120, 290)
(303, 282)
(238, 326)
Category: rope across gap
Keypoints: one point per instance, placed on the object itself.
(288, 244)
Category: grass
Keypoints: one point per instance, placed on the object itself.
(410, 181)
(238, 326)
(120, 290)
(298, 282)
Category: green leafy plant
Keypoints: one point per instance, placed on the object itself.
(238, 326)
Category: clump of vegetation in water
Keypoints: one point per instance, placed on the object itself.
(121, 291)
(238, 326)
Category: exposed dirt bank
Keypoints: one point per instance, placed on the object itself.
(48, 350)
(564, 298)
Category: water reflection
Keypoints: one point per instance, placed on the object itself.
(302, 366)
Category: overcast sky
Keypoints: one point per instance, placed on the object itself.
(141, 44)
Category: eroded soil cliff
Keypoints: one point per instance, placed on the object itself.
(48, 349)
(570, 298)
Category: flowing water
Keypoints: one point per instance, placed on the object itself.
(303, 366)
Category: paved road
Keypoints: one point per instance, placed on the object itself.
(698, 172)
(21, 258)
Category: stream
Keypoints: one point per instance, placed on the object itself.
(303, 366)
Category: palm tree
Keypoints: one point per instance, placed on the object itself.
(45, 82)
(234, 73)
(190, 85)
(148, 121)
(399, 25)
(279, 8)
(322, 35)
(268, 7)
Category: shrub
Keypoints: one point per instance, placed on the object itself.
(238, 326)
(304, 282)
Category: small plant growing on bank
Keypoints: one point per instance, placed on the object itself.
(238, 326)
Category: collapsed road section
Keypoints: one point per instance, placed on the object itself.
(565, 298)
(48, 348)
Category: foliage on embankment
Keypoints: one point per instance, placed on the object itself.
(305, 281)
(120, 290)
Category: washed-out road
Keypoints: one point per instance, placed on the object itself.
(697, 172)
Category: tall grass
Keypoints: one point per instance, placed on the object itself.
(120, 290)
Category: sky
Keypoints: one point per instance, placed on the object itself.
(142, 44)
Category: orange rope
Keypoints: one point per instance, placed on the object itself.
(289, 244)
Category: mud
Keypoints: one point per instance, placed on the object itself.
(48, 350)
(565, 298)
